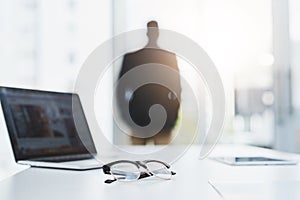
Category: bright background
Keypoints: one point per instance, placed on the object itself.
(255, 45)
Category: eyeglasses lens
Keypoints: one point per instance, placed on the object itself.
(125, 171)
(159, 170)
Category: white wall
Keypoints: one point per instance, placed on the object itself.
(43, 45)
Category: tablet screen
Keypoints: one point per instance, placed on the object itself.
(253, 161)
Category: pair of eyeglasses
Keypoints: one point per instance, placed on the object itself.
(127, 171)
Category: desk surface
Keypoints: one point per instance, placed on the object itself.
(190, 182)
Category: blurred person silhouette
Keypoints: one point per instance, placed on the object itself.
(150, 94)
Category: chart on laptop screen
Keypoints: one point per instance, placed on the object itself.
(42, 123)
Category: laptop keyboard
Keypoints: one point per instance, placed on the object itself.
(65, 158)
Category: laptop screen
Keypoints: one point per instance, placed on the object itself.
(41, 124)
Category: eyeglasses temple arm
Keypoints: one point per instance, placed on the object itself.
(145, 175)
(109, 181)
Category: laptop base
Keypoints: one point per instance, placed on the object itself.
(70, 165)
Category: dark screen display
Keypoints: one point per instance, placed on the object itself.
(41, 124)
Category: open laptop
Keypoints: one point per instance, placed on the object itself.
(42, 129)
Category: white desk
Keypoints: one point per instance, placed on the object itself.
(191, 181)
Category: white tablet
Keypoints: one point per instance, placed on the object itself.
(244, 161)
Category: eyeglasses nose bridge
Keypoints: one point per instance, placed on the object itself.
(142, 164)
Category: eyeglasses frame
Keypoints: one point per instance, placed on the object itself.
(107, 169)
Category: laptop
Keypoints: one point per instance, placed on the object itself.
(42, 131)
